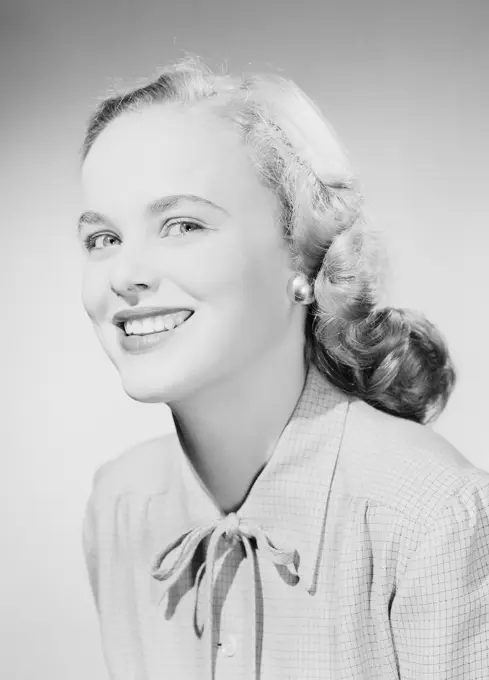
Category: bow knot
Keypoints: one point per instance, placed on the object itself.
(231, 527)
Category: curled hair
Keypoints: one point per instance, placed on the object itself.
(393, 359)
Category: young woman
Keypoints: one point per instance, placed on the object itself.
(301, 521)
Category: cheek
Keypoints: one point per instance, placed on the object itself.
(228, 275)
(94, 294)
(236, 260)
(246, 284)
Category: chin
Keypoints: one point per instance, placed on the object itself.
(152, 389)
(150, 392)
(146, 396)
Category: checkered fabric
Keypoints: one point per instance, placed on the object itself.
(360, 553)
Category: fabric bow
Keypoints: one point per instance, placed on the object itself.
(232, 528)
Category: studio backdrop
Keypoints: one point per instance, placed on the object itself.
(405, 86)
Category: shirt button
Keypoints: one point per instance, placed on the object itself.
(228, 645)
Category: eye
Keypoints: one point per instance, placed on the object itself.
(183, 227)
(100, 241)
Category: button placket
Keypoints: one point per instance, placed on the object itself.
(229, 638)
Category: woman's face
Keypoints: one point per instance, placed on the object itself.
(177, 219)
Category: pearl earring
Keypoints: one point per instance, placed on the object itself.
(300, 290)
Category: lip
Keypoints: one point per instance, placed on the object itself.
(140, 344)
(120, 318)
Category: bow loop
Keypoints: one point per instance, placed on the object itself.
(284, 556)
(188, 544)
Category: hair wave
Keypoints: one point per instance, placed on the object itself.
(392, 358)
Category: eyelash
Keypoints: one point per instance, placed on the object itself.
(89, 241)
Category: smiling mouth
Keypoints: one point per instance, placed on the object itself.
(154, 325)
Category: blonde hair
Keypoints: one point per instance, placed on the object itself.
(393, 359)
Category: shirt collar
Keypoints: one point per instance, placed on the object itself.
(289, 499)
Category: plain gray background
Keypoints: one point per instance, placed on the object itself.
(405, 86)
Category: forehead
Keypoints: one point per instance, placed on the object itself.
(168, 149)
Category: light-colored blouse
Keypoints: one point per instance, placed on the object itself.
(360, 553)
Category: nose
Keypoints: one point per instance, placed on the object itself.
(133, 275)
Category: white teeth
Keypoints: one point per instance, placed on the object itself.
(159, 323)
(137, 327)
(147, 326)
(155, 324)
(180, 317)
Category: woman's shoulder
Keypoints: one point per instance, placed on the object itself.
(404, 465)
(145, 467)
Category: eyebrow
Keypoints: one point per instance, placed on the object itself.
(89, 217)
(160, 205)
(168, 202)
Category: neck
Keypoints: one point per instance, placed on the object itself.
(229, 430)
